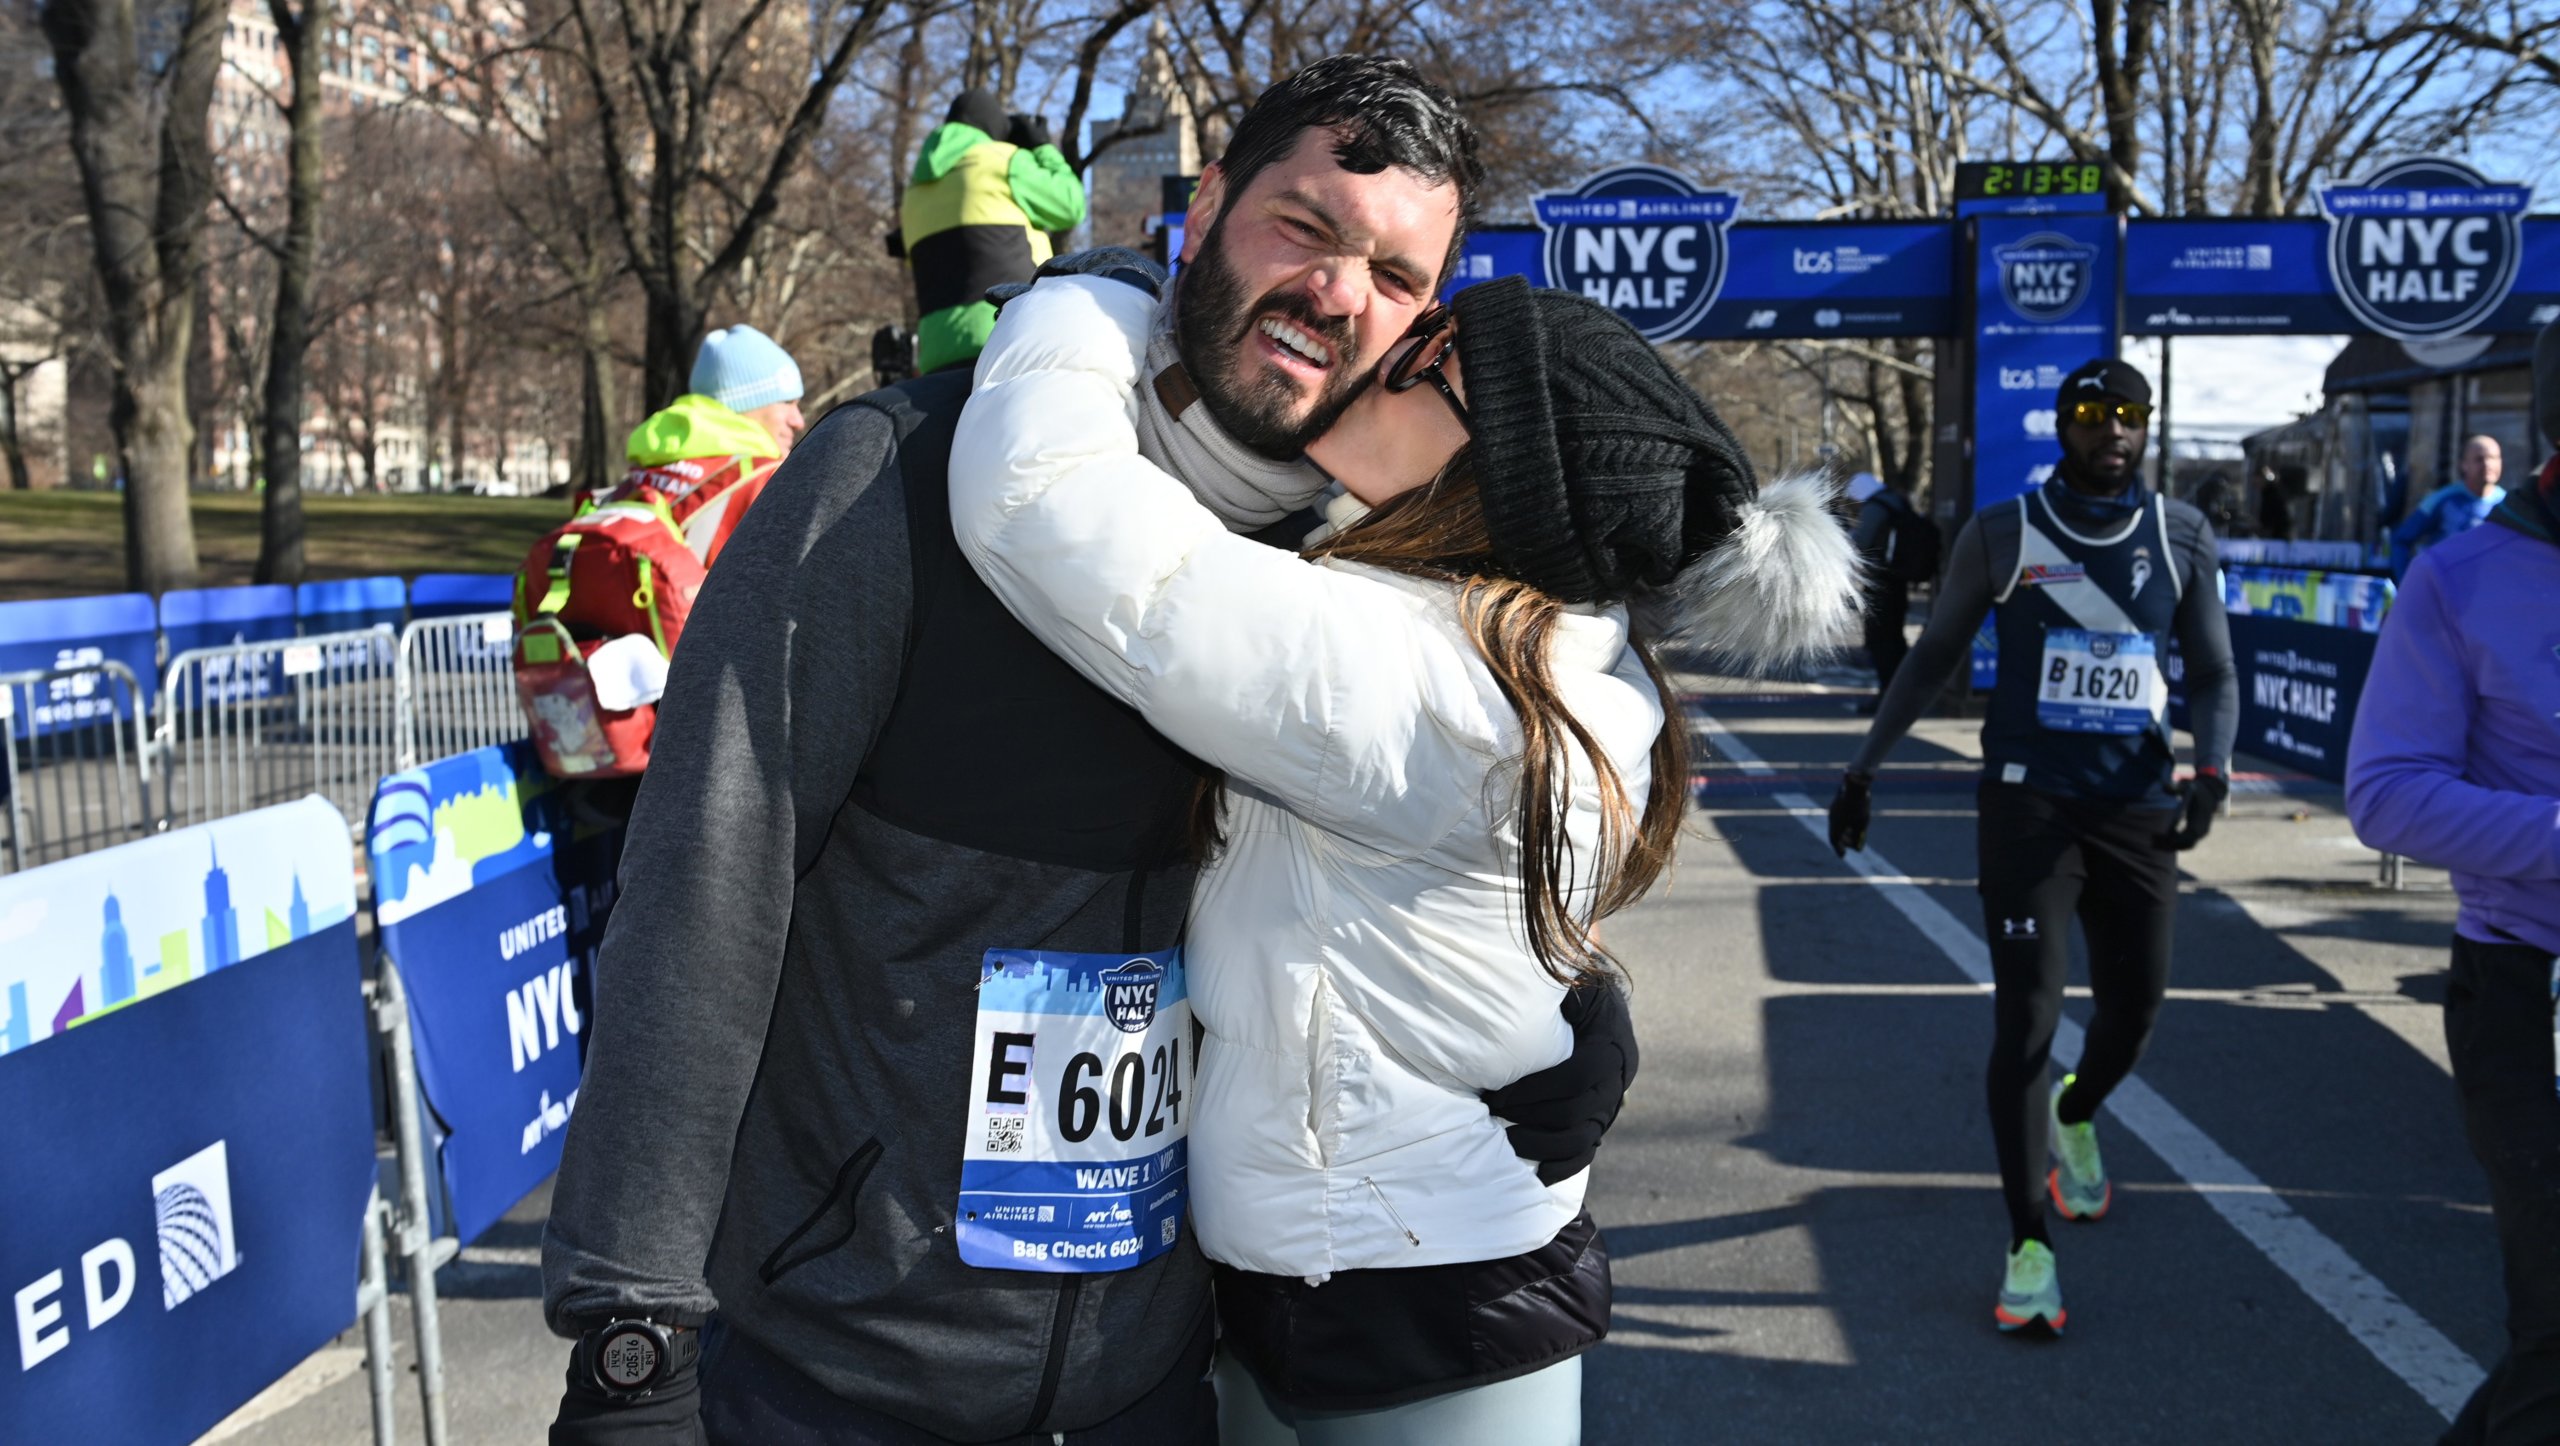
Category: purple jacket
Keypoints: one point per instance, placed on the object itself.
(2456, 756)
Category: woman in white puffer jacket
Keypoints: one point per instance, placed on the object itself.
(1445, 759)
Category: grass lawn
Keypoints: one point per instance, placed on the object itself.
(63, 544)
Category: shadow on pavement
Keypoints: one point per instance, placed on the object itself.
(1870, 1320)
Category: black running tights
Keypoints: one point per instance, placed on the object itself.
(2045, 859)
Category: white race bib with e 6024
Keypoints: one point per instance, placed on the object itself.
(1077, 1152)
(2099, 682)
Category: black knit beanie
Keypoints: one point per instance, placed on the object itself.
(978, 106)
(1601, 471)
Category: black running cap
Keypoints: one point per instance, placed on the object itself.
(2103, 377)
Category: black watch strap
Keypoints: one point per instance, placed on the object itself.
(630, 1355)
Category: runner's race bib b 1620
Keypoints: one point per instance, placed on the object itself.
(2099, 682)
(1076, 1158)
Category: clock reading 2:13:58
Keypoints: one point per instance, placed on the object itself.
(1984, 180)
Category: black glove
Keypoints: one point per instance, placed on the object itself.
(1027, 131)
(1852, 809)
(895, 243)
(1559, 1114)
(668, 1416)
(2199, 799)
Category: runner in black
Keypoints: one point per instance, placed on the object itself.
(2092, 575)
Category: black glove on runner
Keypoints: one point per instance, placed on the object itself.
(1559, 1114)
(1027, 131)
(2199, 799)
(1852, 809)
(668, 1416)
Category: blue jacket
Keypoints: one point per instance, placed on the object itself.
(2449, 511)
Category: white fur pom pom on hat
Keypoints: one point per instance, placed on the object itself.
(1784, 588)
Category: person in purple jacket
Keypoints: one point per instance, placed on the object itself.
(2455, 762)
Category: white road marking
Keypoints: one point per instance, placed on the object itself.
(2411, 1348)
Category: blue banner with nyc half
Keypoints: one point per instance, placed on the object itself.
(2299, 685)
(491, 901)
(187, 1166)
(2046, 304)
(1779, 279)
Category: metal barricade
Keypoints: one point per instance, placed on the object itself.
(457, 686)
(76, 775)
(252, 724)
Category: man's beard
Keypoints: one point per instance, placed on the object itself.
(2082, 470)
(1213, 323)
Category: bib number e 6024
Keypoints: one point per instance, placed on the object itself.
(1077, 1152)
(2096, 682)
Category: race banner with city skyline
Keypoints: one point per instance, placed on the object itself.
(184, 1110)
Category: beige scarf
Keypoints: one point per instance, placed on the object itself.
(1248, 491)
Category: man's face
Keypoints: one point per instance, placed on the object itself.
(1293, 290)
(2482, 464)
(2108, 453)
(782, 420)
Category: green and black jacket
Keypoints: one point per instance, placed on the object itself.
(978, 213)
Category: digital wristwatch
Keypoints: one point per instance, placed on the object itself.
(626, 1357)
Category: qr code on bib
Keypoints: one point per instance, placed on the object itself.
(1005, 1133)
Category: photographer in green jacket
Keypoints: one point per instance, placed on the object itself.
(979, 212)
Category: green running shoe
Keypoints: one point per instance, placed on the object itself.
(2032, 1291)
(2078, 1184)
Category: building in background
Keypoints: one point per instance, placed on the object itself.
(2391, 430)
(376, 58)
(1159, 134)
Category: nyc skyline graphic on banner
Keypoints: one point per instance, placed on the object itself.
(491, 903)
(435, 831)
(92, 934)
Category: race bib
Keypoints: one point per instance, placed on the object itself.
(1077, 1152)
(2099, 682)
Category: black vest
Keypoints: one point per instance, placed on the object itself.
(994, 743)
(2123, 579)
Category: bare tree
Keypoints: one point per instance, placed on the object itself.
(138, 103)
(666, 69)
(2526, 34)
(300, 36)
(537, 162)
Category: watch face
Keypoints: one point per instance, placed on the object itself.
(628, 1359)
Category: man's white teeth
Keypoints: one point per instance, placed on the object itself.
(1295, 340)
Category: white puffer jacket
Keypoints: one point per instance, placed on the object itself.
(1357, 951)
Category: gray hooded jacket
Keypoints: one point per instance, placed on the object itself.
(866, 775)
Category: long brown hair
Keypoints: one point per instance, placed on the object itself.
(1438, 532)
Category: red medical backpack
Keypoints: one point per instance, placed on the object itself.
(612, 571)
(705, 496)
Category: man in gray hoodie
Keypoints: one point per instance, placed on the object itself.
(868, 779)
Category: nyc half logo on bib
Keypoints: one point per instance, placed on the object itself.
(1642, 242)
(1077, 1152)
(2425, 248)
(2045, 277)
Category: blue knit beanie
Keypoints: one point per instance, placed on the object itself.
(742, 369)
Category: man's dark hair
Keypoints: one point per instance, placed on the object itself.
(1382, 113)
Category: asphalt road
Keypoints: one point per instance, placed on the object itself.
(1800, 1198)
